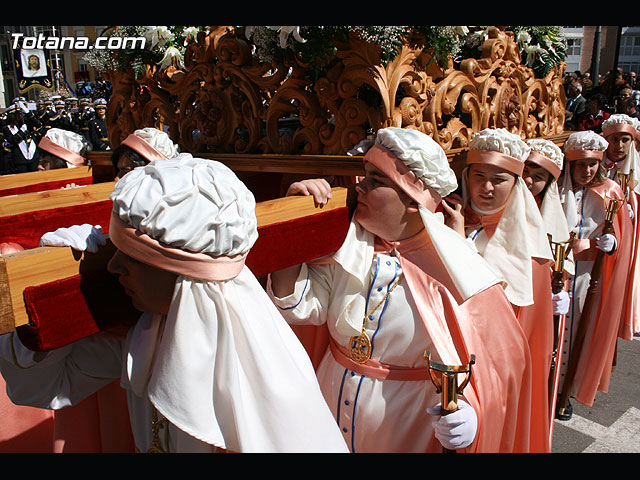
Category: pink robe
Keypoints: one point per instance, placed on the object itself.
(608, 316)
(536, 321)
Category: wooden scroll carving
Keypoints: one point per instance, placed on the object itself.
(225, 101)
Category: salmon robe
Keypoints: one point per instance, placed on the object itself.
(608, 312)
(631, 321)
(536, 321)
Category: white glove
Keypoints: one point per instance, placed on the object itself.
(23, 107)
(606, 242)
(455, 430)
(79, 237)
(560, 303)
(361, 148)
(631, 214)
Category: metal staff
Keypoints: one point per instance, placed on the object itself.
(583, 324)
(561, 252)
(447, 385)
(624, 180)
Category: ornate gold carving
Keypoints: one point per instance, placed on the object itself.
(225, 101)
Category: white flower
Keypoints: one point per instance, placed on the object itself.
(190, 34)
(532, 53)
(523, 38)
(285, 32)
(172, 56)
(158, 36)
(461, 30)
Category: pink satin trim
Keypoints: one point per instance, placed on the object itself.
(143, 148)
(545, 163)
(497, 159)
(579, 154)
(374, 369)
(199, 266)
(59, 151)
(402, 176)
(619, 128)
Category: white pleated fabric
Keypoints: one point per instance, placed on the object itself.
(223, 366)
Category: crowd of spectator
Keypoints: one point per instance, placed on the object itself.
(590, 103)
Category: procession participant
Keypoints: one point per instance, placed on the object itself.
(20, 140)
(541, 171)
(98, 132)
(407, 283)
(141, 147)
(61, 149)
(622, 164)
(584, 190)
(500, 217)
(211, 364)
(62, 118)
(83, 116)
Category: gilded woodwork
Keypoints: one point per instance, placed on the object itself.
(225, 101)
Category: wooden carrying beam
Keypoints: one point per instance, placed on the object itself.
(30, 202)
(61, 294)
(21, 183)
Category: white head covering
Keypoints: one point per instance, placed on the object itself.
(425, 161)
(631, 166)
(521, 234)
(224, 366)
(551, 207)
(424, 157)
(151, 143)
(65, 144)
(583, 143)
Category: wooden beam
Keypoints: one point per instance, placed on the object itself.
(30, 202)
(46, 264)
(8, 182)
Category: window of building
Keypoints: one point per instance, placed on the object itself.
(630, 46)
(574, 46)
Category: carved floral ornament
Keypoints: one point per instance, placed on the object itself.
(225, 100)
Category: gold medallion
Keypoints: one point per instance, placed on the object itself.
(360, 348)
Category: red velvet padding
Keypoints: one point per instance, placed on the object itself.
(43, 186)
(27, 228)
(67, 310)
(72, 308)
(283, 244)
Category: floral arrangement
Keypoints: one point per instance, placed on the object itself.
(542, 47)
(163, 46)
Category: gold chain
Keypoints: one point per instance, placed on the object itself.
(360, 346)
(156, 425)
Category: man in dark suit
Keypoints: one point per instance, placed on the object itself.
(575, 106)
